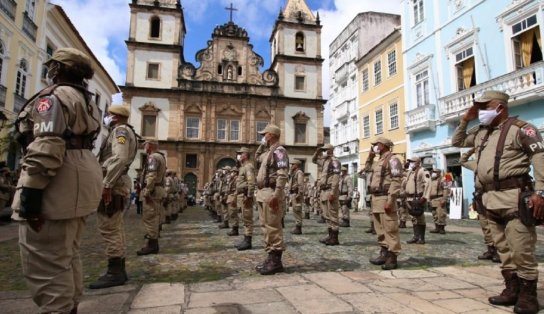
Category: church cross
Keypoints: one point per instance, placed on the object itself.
(231, 9)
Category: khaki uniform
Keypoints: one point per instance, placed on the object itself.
(71, 180)
(328, 185)
(225, 189)
(307, 205)
(171, 194)
(216, 199)
(153, 193)
(115, 157)
(384, 189)
(315, 199)
(355, 201)
(296, 190)
(245, 189)
(515, 242)
(416, 181)
(272, 177)
(403, 212)
(232, 202)
(346, 192)
(439, 196)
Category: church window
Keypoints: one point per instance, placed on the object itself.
(228, 130)
(300, 133)
(191, 161)
(149, 125)
(239, 71)
(220, 69)
(299, 42)
(259, 126)
(155, 29)
(299, 83)
(193, 128)
(153, 71)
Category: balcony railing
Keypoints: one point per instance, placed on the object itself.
(522, 85)
(9, 7)
(29, 27)
(3, 90)
(19, 101)
(420, 119)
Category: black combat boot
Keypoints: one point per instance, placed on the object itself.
(442, 229)
(421, 239)
(344, 223)
(527, 300)
(402, 224)
(297, 230)
(306, 215)
(245, 244)
(224, 225)
(496, 258)
(167, 220)
(488, 254)
(333, 240)
(371, 229)
(380, 259)
(233, 232)
(415, 238)
(390, 261)
(324, 240)
(509, 296)
(152, 247)
(274, 265)
(436, 229)
(113, 277)
(260, 266)
(124, 269)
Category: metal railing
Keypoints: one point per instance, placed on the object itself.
(18, 102)
(421, 118)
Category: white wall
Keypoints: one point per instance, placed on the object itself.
(162, 116)
(311, 127)
(167, 63)
(168, 28)
(310, 72)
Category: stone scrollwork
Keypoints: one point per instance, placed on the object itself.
(270, 77)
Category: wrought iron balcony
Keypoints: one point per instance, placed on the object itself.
(9, 7)
(522, 85)
(420, 119)
(29, 27)
(18, 103)
(3, 90)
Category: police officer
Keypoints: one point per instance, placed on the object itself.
(384, 186)
(355, 201)
(224, 192)
(505, 148)
(170, 199)
(416, 191)
(439, 196)
(60, 182)
(401, 208)
(153, 194)
(306, 206)
(296, 191)
(245, 189)
(273, 163)
(328, 187)
(232, 203)
(116, 155)
(346, 191)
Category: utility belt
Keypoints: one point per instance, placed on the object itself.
(491, 215)
(414, 195)
(263, 185)
(435, 197)
(79, 142)
(523, 182)
(380, 192)
(325, 187)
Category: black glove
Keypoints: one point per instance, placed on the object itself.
(31, 207)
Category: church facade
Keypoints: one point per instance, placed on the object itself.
(203, 113)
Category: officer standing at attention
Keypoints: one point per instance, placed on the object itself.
(296, 190)
(505, 148)
(60, 182)
(328, 186)
(232, 203)
(272, 162)
(116, 155)
(245, 189)
(153, 194)
(439, 196)
(415, 188)
(346, 192)
(384, 186)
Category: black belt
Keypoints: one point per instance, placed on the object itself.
(414, 195)
(519, 182)
(79, 142)
(380, 194)
(325, 187)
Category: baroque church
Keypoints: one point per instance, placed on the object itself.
(203, 112)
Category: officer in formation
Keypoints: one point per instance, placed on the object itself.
(346, 193)
(415, 191)
(60, 182)
(223, 195)
(183, 193)
(216, 184)
(245, 191)
(273, 164)
(206, 193)
(439, 193)
(296, 191)
(356, 200)
(172, 193)
(384, 176)
(329, 179)
(153, 193)
(232, 203)
(368, 200)
(116, 154)
(401, 208)
(315, 201)
(307, 206)
(505, 149)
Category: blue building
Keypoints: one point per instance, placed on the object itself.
(455, 50)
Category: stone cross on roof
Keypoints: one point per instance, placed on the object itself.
(231, 9)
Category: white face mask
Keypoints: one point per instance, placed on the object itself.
(263, 141)
(487, 116)
(412, 165)
(325, 153)
(376, 149)
(239, 157)
(108, 120)
(434, 176)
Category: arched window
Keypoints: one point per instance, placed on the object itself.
(2, 55)
(20, 83)
(155, 29)
(299, 42)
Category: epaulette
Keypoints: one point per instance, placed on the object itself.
(520, 123)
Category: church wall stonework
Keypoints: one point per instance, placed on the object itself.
(168, 29)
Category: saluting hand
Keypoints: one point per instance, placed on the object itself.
(471, 114)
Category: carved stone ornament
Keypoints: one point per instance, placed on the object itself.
(186, 71)
(301, 117)
(263, 114)
(270, 78)
(193, 108)
(149, 107)
(229, 110)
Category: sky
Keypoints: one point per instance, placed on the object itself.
(201, 17)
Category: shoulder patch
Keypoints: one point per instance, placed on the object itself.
(44, 105)
(396, 167)
(281, 158)
(121, 132)
(529, 131)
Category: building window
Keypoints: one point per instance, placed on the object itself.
(259, 126)
(392, 62)
(417, 7)
(235, 130)
(191, 161)
(20, 82)
(219, 69)
(97, 99)
(149, 125)
(527, 45)
(379, 121)
(155, 27)
(466, 74)
(394, 115)
(228, 130)
(49, 50)
(300, 133)
(153, 71)
(299, 82)
(422, 88)
(30, 8)
(377, 72)
(240, 71)
(365, 80)
(299, 42)
(366, 126)
(193, 128)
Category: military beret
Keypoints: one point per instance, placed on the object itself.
(295, 162)
(243, 150)
(272, 129)
(119, 110)
(384, 141)
(70, 57)
(490, 95)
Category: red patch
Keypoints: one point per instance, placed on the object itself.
(279, 154)
(529, 131)
(44, 105)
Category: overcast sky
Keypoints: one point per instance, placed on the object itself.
(104, 25)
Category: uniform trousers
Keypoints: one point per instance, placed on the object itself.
(247, 214)
(152, 217)
(270, 220)
(296, 202)
(344, 209)
(439, 213)
(233, 211)
(112, 230)
(51, 263)
(484, 224)
(386, 225)
(403, 212)
(329, 209)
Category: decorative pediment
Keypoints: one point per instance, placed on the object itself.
(149, 107)
(263, 114)
(301, 117)
(193, 108)
(229, 110)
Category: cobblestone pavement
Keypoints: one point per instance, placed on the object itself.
(199, 271)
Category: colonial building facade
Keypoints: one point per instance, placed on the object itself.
(202, 115)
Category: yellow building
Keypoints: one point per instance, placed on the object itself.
(380, 85)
